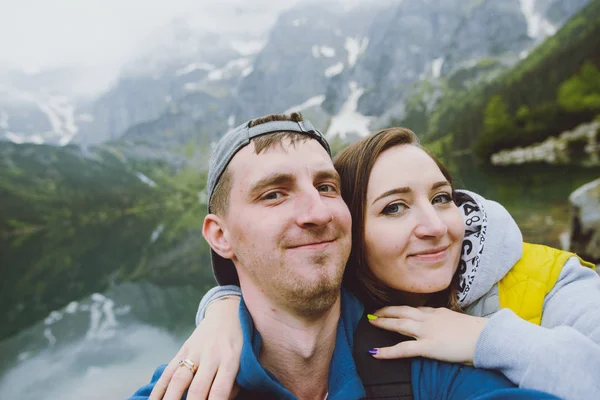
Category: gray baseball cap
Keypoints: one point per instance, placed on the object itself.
(232, 142)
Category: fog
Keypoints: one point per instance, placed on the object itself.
(100, 36)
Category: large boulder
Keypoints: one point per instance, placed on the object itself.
(585, 221)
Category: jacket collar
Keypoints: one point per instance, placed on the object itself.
(343, 380)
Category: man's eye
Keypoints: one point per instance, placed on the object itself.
(272, 196)
(327, 188)
(394, 208)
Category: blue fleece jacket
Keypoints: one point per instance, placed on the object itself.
(431, 379)
(343, 380)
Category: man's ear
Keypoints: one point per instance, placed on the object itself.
(213, 232)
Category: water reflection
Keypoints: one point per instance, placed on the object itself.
(536, 195)
(104, 346)
(48, 269)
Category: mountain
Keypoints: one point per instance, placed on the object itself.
(451, 42)
(353, 77)
(179, 61)
(554, 89)
(47, 107)
(34, 106)
(351, 70)
(306, 48)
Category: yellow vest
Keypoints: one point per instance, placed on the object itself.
(526, 285)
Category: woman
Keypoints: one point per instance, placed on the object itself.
(522, 309)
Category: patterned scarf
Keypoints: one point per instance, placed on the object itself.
(475, 219)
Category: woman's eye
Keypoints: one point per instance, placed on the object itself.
(443, 198)
(394, 208)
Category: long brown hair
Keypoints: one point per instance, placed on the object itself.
(354, 164)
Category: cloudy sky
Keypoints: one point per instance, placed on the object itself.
(100, 36)
(38, 34)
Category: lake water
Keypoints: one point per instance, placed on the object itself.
(103, 346)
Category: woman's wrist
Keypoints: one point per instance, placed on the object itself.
(223, 303)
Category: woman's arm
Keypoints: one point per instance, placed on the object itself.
(214, 346)
(562, 356)
(216, 293)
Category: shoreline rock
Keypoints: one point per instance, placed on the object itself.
(584, 238)
(579, 146)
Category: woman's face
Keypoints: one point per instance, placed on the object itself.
(413, 229)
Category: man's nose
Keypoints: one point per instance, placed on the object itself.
(312, 210)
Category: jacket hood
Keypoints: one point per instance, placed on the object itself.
(492, 245)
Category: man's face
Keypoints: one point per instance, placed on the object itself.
(289, 229)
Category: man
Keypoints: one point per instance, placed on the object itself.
(277, 224)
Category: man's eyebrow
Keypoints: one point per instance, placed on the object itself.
(275, 179)
(328, 174)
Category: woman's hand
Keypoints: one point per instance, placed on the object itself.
(440, 334)
(215, 347)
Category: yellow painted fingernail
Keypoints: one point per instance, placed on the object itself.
(371, 317)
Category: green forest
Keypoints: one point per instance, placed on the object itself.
(555, 88)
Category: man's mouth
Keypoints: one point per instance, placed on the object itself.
(315, 245)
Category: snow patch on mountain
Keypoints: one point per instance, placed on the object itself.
(194, 67)
(313, 101)
(15, 138)
(334, 69)
(315, 51)
(238, 64)
(538, 27)
(53, 116)
(299, 22)
(349, 120)
(193, 86)
(145, 179)
(61, 114)
(436, 67)
(19, 138)
(248, 48)
(325, 51)
(85, 117)
(156, 234)
(354, 47)
(247, 71)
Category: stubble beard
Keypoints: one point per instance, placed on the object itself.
(306, 297)
(316, 297)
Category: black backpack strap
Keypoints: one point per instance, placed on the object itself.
(244, 394)
(382, 379)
